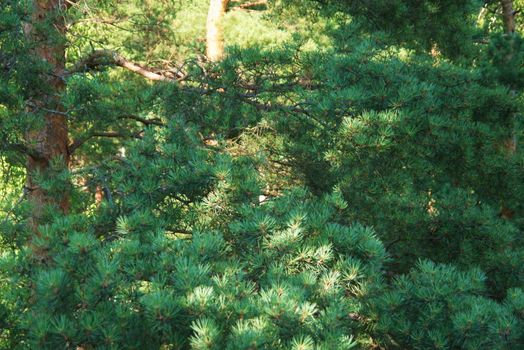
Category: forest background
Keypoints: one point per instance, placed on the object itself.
(301, 174)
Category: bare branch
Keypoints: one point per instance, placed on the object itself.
(101, 58)
(70, 3)
(47, 110)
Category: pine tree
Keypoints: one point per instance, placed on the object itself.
(340, 179)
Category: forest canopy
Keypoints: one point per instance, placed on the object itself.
(268, 174)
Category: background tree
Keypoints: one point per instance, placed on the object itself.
(239, 195)
(214, 37)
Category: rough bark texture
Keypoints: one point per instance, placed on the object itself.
(508, 16)
(50, 138)
(215, 37)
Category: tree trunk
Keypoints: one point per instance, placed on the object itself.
(215, 37)
(508, 16)
(50, 137)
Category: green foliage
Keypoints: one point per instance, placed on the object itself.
(292, 276)
(504, 53)
(447, 26)
(331, 184)
(438, 307)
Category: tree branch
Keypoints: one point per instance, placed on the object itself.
(101, 58)
(252, 4)
(70, 3)
(144, 121)
(111, 134)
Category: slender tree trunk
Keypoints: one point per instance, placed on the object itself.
(50, 137)
(215, 35)
(508, 16)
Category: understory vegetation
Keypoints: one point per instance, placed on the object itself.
(300, 174)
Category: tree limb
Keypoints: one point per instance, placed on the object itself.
(101, 58)
(70, 3)
(144, 121)
(252, 4)
(111, 134)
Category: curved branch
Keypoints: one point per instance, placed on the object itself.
(101, 58)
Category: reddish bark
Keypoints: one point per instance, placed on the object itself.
(50, 138)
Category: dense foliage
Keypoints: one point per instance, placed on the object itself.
(348, 176)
